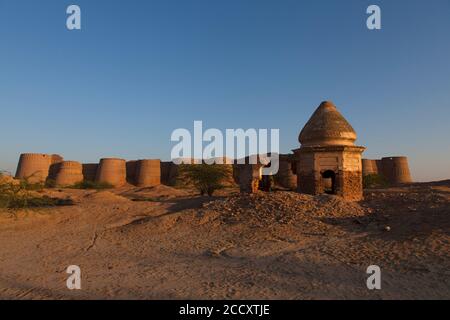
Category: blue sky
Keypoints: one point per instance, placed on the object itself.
(140, 69)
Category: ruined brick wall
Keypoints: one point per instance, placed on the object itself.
(350, 185)
(286, 176)
(307, 178)
(249, 177)
(307, 183)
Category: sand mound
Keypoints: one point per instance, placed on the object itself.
(161, 191)
(283, 246)
(105, 196)
(282, 207)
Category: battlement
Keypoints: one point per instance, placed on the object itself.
(394, 169)
(35, 167)
(40, 167)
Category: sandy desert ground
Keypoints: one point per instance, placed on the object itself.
(165, 243)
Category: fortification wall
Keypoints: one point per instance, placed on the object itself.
(55, 164)
(89, 171)
(112, 171)
(35, 167)
(69, 173)
(131, 167)
(168, 173)
(394, 169)
(148, 173)
(379, 166)
(369, 167)
(38, 167)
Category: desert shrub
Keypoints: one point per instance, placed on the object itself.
(20, 195)
(25, 184)
(375, 181)
(4, 195)
(205, 178)
(50, 183)
(38, 202)
(86, 184)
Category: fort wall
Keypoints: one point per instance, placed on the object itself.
(131, 167)
(35, 167)
(112, 171)
(394, 169)
(89, 171)
(169, 173)
(369, 167)
(148, 173)
(69, 173)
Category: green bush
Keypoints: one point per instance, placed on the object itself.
(25, 184)
(50, 183)
(375, 181)
(205, 178)
(91, 185)
(18, 196)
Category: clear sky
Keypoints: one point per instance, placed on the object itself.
(140, 69)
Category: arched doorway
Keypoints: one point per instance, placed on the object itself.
(266, 182)
(329, 182)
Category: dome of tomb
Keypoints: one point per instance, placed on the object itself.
(327, 127)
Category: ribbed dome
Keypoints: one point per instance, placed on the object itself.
(327, 127)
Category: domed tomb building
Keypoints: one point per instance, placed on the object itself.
(328, 160)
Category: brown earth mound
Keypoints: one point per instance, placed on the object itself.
(105, 196)
(282, 207)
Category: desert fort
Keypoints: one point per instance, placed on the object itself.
(140, 229)
(327, 161)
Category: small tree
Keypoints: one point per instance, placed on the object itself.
(206, 178)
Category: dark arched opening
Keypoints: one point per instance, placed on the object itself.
(329, 182)
(267, 182)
